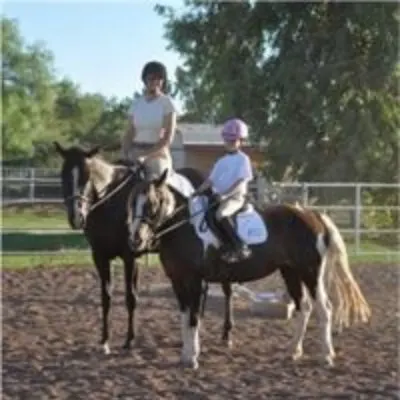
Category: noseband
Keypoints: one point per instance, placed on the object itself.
(75, 197)
(102, 200)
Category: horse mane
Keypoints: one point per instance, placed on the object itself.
(102, 173)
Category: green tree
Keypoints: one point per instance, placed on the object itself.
(28, 93)
(316, 81)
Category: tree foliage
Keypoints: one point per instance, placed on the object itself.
(28, 92)
(38, 108)
(317, 82)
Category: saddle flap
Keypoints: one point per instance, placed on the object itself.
(249, 224)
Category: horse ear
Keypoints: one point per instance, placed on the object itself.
(59, 149)
(92, 152)
(162, 179)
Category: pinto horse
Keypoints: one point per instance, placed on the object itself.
(305, 247)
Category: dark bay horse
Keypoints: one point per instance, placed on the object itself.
(105, 227)
(306, 247)
(105, 218)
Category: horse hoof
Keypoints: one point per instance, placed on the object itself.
(328, 361)
(297, 355)
(106, 348)
(127, 345)
(190, 364)
(228, 343)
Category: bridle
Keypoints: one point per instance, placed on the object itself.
(79, 196)
(158, 224)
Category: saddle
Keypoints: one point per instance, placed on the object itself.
(210, 220)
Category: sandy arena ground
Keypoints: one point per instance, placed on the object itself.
(51, 329)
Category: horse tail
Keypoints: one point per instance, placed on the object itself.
(351, 303)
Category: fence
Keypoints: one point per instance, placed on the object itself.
(349, 204)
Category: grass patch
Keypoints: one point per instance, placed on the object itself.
(30, 241)
(54, 217)
(62, 259)
(84, 259)
(34, 217)
(374, 253)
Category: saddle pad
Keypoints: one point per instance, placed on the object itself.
(249, 224)
(180, 183)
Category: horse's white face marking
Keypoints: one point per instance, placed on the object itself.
(137, 217)
(75, 180)
(75, 191)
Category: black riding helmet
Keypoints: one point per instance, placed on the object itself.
(154, 68)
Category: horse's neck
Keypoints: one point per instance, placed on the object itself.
(180, 203)
(101, 174)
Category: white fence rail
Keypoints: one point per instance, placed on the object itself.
(348, 203)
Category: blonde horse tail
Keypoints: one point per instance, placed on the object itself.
(351, 305)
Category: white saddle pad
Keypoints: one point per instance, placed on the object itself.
(250, 225)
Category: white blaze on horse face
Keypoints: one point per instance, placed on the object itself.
(138, 215)
(75, 180)
(75, 192)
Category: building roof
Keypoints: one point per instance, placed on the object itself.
(199, 134)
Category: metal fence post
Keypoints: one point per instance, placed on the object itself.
(357, 219)
(304, 194)
(32, 184)
(261, 186)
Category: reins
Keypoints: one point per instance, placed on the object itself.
(103, 199)
(185, 221)
(183, 206)
(111, 194)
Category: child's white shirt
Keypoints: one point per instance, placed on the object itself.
(228, 170)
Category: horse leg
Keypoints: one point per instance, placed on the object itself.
(297, 292)
(103, 269)
(193, 325)
(324, 313)
(302, 322)
(131, 278)
(228, 321)
(315, 282)
(179, 290)
(189, 298)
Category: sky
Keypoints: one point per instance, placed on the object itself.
(100, 45)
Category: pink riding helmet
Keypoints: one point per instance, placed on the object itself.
(234, 129)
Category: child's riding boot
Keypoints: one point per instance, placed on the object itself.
(239, 251)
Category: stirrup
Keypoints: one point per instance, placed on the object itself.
(230, 256)
(244, 252)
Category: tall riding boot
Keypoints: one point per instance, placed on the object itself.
(239, 249)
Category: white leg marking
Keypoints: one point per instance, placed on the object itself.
(324, 312)
(301, 325)
(191, 341)
(106, 348)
